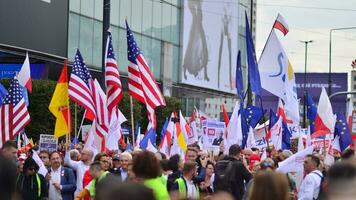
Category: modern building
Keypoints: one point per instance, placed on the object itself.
(190, 45)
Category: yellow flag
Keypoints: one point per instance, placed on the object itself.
(59, 105)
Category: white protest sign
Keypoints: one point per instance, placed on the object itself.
(213, 132)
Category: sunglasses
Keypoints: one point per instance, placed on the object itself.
(31, 169)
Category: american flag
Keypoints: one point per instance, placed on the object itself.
(79, 86)
(142, 85)
(112, 77)
(13, 112)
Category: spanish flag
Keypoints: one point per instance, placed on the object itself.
(59, 105)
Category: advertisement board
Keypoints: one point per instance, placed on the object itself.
(210, 36)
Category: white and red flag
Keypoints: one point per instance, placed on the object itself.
(142, 84)
(24, 76)
(281, 24)
(13, 113)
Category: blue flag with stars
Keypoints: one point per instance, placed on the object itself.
(312, 110)
(286, 135)
(253, 115)
(244, 126)
(342, 130)
(253, 72)
(239, 81)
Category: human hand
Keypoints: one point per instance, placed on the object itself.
(57, 186)
(48, 177)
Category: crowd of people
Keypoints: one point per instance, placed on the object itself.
(140, 174)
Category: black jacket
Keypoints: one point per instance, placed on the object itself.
(27, 187)
(242, 176)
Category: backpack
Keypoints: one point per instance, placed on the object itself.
(224, 176)
(321, 194)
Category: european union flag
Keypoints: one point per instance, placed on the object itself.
(150, 136)
(312, 110)
(286, 135)
(239, 81)
(253, 72)
(164, 128)
(244, 127)
(273, 119)
(342, 130)
(253, 115)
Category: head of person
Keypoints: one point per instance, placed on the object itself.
(30, 167)
(125, 159)
(190, 169)
(341, 181)
(79, 147)
(311, 163)
(44, 156)
(270, 185)
(175, 163)
(191, 154)
(285, 154)
(253, 159)
(235, 151)
(21, 162)
(103, 158)
(95, 169)
(9, 150)
(74, 154)
(113, 190)
(55, 160)
(146, 166)
(116, 161)
(164, 165)
(209, 171)
(267, 165)
(247, 152)
(160, 155)
(86, 155)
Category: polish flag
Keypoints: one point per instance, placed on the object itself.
(281, 24)
(324, 119)
(165, 144)
(281, 113)
(24, 76)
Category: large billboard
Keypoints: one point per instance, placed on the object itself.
(39, 25)
(210, 36)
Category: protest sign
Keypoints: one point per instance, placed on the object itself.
(213, 132)
(48, 142)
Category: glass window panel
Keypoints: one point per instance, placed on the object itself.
(97, 46)
(87, 8)
(136, 16)
(98, 9)
(73, 35)
(74, 5)
(157, 20)
(175, 66)
(146, 47)
(155, 64)
(114, 14)
(147, 17)
(122, 54)
(175, 25)
(125, 12)
(86, 39)
(166, 22)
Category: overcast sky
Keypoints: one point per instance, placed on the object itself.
(311, 20)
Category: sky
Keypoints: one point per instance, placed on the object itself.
(311, 20)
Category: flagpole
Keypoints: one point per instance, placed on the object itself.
(81, 125)
(75, 119)
(132, 122)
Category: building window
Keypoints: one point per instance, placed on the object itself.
(354, 87)
(354, 78)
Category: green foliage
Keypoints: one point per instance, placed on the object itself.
(43, 122)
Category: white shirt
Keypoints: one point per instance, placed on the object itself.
(79, 167)
(310, 187)
(123, 175)
(53, 193)
(191, 190)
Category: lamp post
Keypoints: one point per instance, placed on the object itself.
(306, 42)
(329, 77)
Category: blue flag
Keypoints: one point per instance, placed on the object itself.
(286, 135)
(342, 130)
(253, 73)
(164, 128)
(239, 81)
(244, 125)
(253, 115)
(312, 110)
(3, 93)
(273, 119)
(150, 136)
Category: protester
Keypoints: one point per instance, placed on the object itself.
(79, 147)
(185, 185)
(44, 155)
(79, 166)
(9, 150)
(74, 155)
(310, 186)
(148, 172)
(123, 191)
(30, 185)
(7, 178)
(61, 180)
(231, 174)
(125, 159)
(269, 185)
(175, 165)
(116, 165)
(206, 186)
(98, 174)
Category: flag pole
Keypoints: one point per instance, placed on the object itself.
(75, 119)
(132, 122)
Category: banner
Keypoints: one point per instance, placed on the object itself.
(48, 142)
(213, 132)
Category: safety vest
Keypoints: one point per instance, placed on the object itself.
(92, 183)
(182, 188)
(159, 189)
(38, 183)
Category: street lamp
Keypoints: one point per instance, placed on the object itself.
(329, 77)
(306, 42)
